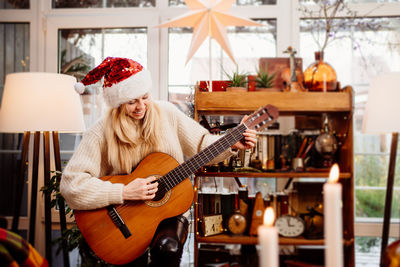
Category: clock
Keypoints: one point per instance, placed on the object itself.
(237, 223)
(212, 225)
(290, 226)
(314, 222)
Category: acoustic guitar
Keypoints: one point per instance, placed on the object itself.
(119, 234)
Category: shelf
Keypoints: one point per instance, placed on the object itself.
(251, 240)
(343, 175)
(233, 102)
(303, 106)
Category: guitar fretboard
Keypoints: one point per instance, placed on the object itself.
(177, 175)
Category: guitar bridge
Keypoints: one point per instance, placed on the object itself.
(117, 220)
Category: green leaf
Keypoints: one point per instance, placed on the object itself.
(264, 79)
(237, 79)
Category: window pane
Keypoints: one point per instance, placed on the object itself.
(14, 57)
(14, 49)
(248, 44)
(238, 2)
(371, 177)
(358, 52)
(101, 3)
(312, 2)
(9, 4)
(368, 250)
(373, 1)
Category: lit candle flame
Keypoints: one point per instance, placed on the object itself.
(269, 217)
(334, 174)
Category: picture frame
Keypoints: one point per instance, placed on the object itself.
(278, 65)
(212, 225)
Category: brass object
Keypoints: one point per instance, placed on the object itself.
(212, 225)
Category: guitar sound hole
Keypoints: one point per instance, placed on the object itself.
(159, 196)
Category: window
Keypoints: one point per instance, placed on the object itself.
(80, 50)
(363, 54)
(372, 1)
(354, 1)
(14, 57)
(248, 45)
(368, 48)
(7, 4)
(238, 2)
(102, 3)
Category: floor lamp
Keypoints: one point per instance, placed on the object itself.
(43, 104)
(382, 116)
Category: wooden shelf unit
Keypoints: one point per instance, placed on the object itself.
(343, 175)
(339, 105)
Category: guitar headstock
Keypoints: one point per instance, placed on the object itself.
(262, 117)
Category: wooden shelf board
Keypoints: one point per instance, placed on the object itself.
(234, 102)
(249, 240)
(343, 175)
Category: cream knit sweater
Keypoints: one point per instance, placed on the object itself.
(80, 185)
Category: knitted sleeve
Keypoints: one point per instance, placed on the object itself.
(80, 185)
(193, 137)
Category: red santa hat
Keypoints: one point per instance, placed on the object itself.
(124, 80)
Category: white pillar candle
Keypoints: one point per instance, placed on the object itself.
(333, 220)
(268, 240)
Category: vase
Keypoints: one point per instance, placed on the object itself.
(320, 76)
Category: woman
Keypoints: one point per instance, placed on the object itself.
(134, 127)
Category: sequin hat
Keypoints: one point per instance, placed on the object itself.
(124, 80)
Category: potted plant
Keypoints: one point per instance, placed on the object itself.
(265, 80)
(237, 81)
(71, 238)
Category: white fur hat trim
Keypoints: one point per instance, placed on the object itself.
(79, 87)
(128, 89)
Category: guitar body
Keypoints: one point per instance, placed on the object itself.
(141, 217)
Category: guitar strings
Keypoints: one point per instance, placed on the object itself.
(187, 168)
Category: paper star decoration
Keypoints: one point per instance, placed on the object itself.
(209, 18)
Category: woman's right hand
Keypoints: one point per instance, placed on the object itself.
(140, 189)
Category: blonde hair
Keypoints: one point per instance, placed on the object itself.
(128, 140)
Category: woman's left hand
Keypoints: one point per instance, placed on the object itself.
(249, 141)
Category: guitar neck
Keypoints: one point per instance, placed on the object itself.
(187, 168)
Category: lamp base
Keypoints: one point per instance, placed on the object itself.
(389, 195)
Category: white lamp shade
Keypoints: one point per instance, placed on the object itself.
(382, 112)
(35, 101)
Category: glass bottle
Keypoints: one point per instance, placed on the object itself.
(320, 76)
